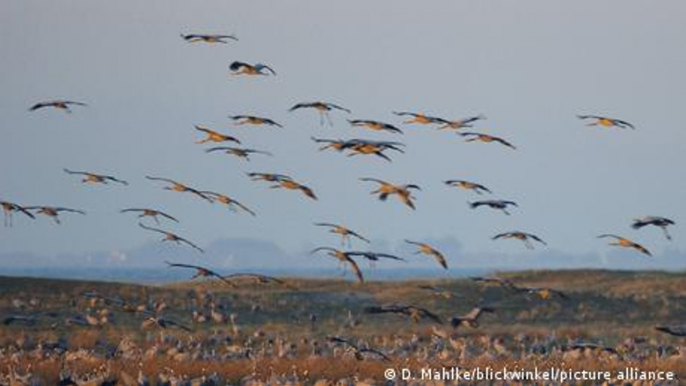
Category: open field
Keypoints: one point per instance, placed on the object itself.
(262, 332)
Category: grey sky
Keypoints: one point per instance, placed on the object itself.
(529, 66)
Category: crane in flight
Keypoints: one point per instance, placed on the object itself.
(242, 68)
(8, 208)
(243, 153)
(486, 138)
(345, 233)
(93, 178)
(201, 272)
(494, 204)
(208, 38)
(626, 243)
(387, 189)
(660, 222)
(214, 136)
(169, 236)
(344, 258)
(179, 187)
(57, 104)
(518, 235)
(468, 185)
(323, 108)
(53, 211)
(430, 251)
(605, 122)
(149, 213)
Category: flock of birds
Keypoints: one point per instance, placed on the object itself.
(383, 190)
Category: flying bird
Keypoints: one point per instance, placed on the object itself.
(242, 68)
(374, 256)
(504, 283)
(256, 278)
(214, 136)
(523, 236)
(606, 122)
(53, 211)
(679, 331)
(168, 236)
(293, 185)
(494, 204)
(471, 137)
(269, 177)
(149, 213)
(163, 323)
(419, 118)
(323, 108)
(207, 38)
(57, 104)
(179, 187)
(415, 313)
(253, 120)
(201, 272)
(92, 178)
(375, 125)
(243, 153)
(344, 232)
(660, 222)
(471, 318)
(359, 352)
(429, 251)
(468, 185)
(460, 123)
(544, 293)
(8, 208)
(228, 201)
(342, 257)
(626, 243)
(386, 189)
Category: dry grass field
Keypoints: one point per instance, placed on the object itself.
(96, 332)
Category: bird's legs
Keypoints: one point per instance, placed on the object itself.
(528, 244)
(505, 211)
(666, 232)
(328, 118)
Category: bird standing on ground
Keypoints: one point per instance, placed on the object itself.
(430, 251)
(168, 236)
(626, 243)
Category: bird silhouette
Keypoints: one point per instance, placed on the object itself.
(606, 122)
(471, 137)
(179, 187)
(375, 125)
(660, 222)
(240, 120)
(342, 257)
(243, 153)
(386, 189)
(494, 204)
(468, 185)
(57, 104)
(208, 38)
(200, 272)
(93, 178)
(242, 68)
(323, 108)
(429, 251)
(626, 243)
(149, 213)
(169, 236)
(228, 201)
(214, 136)
(53, 211)
(8, 208)
(344, 232)
(523, 236)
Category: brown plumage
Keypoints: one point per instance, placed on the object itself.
(430, 251)
(169, 236)
(387, 189)
(626, 243)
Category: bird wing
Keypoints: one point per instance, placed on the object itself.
(185, 241)
(152, 229)
(162, 179)
(356, 269)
